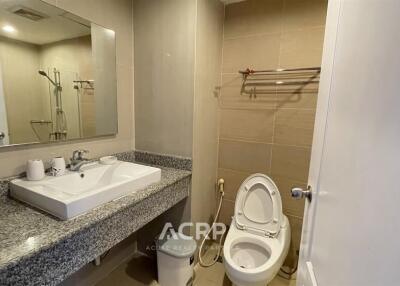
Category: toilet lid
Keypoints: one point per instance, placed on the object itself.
(258, 206)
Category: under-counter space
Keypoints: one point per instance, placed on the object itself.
(39, 249)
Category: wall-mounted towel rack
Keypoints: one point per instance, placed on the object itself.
(249, 71)
(295, 78)
(284, 76)
(41, 121)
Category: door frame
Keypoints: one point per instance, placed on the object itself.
(305, 274)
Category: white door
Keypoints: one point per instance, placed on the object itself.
(352, 225)
(4, 140)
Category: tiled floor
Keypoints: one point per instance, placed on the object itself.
(215, 276)
(141, 271)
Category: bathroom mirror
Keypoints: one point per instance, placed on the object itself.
(57, 75)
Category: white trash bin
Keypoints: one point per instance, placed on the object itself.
(175, 259)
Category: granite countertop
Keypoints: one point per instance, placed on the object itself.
(27, 233)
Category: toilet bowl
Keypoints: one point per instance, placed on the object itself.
(258, 239)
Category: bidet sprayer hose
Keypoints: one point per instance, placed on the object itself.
(220, 185)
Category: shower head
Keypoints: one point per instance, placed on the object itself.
(43, 73)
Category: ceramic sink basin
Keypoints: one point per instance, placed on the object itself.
(78, 192)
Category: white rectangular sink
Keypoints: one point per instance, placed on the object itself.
(78, 192)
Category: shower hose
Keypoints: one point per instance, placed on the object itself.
(201, 262)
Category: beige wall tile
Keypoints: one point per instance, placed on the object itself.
(298, 97)
(296, 225)
(253, 17)
(290, 206)
(244, 156)
(125, 102)
(112, 14)
(21, 84)
(164, 87)
(251, 125)
(13, 159)
(209, 27)
(227, 211)
(302, 48)
(256, 52)
(233, 180)
(291, 162)
(300, 14)
(69, 56)
(294, 127)
(231, 96)
(250, 32)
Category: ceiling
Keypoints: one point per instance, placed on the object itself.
(56, 25)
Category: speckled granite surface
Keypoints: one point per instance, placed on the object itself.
(4, 186)
(164, 160)
(38, 249)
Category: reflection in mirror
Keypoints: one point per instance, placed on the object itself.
(57, 75)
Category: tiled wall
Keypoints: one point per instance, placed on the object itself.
(72, 57)
(269, 133)
(19, 64)
(209, 30)
(164, 78)
(178, 51)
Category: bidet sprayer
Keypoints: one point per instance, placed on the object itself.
(220, 184)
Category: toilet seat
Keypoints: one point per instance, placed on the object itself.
(258, 206)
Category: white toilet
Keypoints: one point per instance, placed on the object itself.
(259, 236)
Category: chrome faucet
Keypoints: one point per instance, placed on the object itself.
(78, 160)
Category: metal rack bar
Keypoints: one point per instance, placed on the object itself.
(84, 81)
(278, 83)
(280, 77)
(250, 71)
(41, 121)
